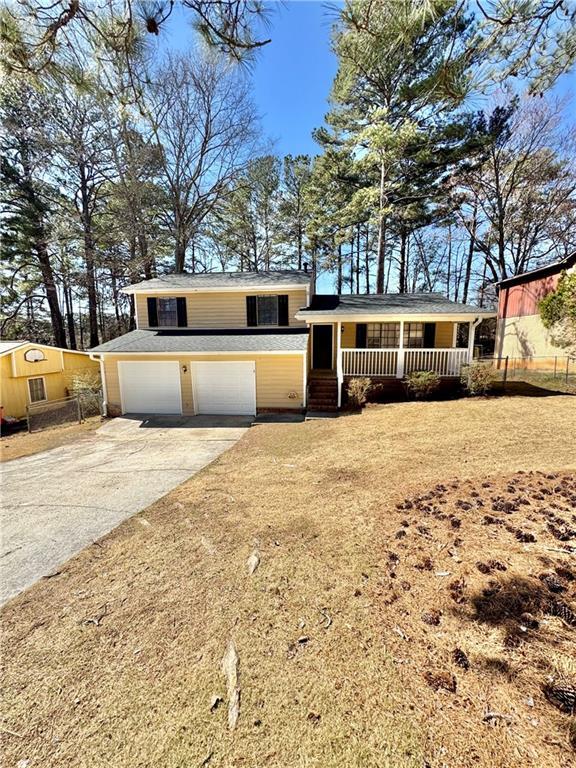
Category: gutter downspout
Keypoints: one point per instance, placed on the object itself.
(100, 360)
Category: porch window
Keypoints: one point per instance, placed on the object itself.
(37, 390)
(267, 309)
(168, 313)
(383, 335)
(413, 335)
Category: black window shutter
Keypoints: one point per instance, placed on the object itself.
(181, 311)
(283, 310)
(360, 335)
(152, 312)
(429, 335)
(251, 314)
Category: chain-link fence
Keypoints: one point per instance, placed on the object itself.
(67, 410)
(535, 370)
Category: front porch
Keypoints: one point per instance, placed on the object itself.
(399, 362)
(389, 351)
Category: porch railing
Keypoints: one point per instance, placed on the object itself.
(446, 362)
(399, 362)
(369, 362)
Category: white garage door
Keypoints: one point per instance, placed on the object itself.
(225, 388)
(150, 387)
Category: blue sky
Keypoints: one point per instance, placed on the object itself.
(292, 75)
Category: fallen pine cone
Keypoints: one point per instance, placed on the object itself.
(563, 611)
(562, 696)
(460, 658)
(552, 582)
(431, 617)
(441, 679)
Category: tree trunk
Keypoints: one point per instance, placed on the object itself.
(367, 258)
(449, 268)
(381, 252)
(69, 314)
(339, 279)
(402, 282)
(89, 260)
(469, 259)
(180, 256)
(358, 269)
(51, 293)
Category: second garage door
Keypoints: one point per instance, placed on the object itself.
(225, 388)
(150, 387)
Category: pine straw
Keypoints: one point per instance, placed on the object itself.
(116, 660)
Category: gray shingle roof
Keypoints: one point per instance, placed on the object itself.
(251, 340)
(226, 280)
(387, 303)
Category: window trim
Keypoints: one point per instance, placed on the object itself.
(158, 311)
(267, 296)
(380, 324)
(406, 337)
(43, 380)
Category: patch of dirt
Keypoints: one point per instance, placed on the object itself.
(26, 444)
(495, 641)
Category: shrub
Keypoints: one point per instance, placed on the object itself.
(86, 385)
(477, 378)
(422, 384)
(358, 389)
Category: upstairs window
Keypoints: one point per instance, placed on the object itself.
(37, 390)
(167, 312)
(267, 310)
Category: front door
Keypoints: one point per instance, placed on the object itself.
(322, 346)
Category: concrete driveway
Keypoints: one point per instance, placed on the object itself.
(57, 502)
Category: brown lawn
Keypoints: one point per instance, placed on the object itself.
(25, 444)
(347, 631)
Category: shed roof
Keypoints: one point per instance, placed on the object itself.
(189, 341)
(222, 281)
(10, 346)
(388, 304)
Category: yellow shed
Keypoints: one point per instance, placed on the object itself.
(36, 373)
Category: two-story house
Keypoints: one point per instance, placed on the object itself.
(215, 343)
(247, 342)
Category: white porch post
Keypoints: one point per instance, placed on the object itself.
(339, 373)
(471, 334)
(400, 364)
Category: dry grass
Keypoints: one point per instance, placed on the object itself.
(114, 662)
(25, 444)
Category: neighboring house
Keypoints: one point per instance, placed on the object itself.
(247, 342)
(36, 373)
(520, 331)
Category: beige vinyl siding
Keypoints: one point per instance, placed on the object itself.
(444, 334)
(277, 376)
(222, 309)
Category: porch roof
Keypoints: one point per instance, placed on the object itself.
(363, 307)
